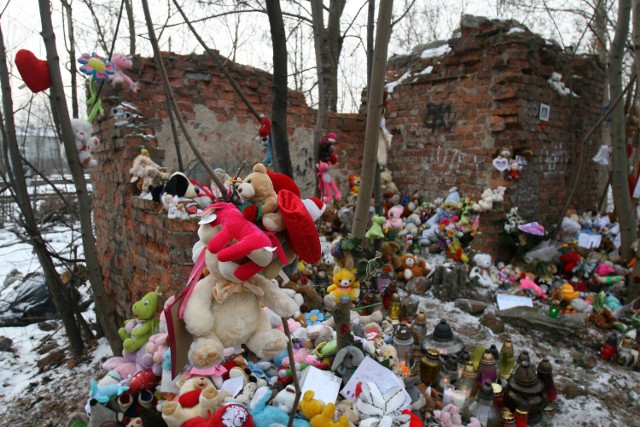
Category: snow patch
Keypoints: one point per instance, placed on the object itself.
(427, 70)
(390, 86)
(436, 51)
(515, 30)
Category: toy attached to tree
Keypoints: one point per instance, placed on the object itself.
(328, 188)
(327, 151)
(264, 137)
(120, 63)
(84, 142)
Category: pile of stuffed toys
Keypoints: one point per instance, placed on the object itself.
(266, 257)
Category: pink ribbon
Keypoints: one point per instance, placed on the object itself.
(195, 275)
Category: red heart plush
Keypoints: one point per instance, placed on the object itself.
(34, 71)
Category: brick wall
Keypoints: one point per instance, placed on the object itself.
(447, 123)
(484, 93)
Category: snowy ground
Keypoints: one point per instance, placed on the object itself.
(609, 395)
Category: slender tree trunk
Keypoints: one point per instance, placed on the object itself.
(374, 112)
(318, 29)
(56, 288)
(633, 285)
(132, 27)
(279, 128)
(620, 173)
(73, 68)
(105, 311)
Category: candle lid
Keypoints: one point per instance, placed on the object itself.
(487, 358)
(486, 391)
(497, 388)
(469, 371)
(433, 353)
(421, 318)
(443, 331)
(404, 332)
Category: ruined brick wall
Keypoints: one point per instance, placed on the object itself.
(139, 248)
(451, 111)
(449, 114)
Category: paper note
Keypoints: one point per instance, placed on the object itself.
(589, 241)
(506, 301)
(371, 371)
(325, 384)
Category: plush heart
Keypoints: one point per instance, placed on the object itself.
(34, 71)
(501, 164)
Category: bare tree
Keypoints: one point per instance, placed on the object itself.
(105, 311)
(19, 188)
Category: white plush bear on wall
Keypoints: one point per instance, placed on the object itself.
(225, 312)
(85, 143)
(482, 271)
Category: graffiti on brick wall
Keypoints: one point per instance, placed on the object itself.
(440, 116)
(456, 159)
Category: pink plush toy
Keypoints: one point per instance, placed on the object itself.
(159, 343)
(328, 189)
(394, 218)
(528, 284)
(121, 63)
(450, 417)
(247, 235)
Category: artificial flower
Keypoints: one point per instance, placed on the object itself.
(314, 317)
(96, 66)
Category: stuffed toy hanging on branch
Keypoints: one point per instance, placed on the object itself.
(99, 69)
(34, 71)
(264, 138)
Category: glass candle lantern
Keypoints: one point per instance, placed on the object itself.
(487, 370)
(447, 394)
(507, 359)
(463, 358)
(394, 307)
(403, 343)
(419, 332)
(522, 417)
(482, 408)
(448, 371)
(458, 399)
(467, 382)
(554, 309)
(545, 373)
(443, 340)
(430, 367)
(609, 348)
(476, 355)
(498, 400)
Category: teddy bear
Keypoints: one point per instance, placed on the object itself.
(223, 311)
(354, 184)
(394, 218)
(482, 271)
(387, 186)
(139, 162)
(411, 266)
(257, 189)
(84, 142)
(265, 415)
(412, 225)
(486, 201)
(197, 397)
(345, 287)
(137, 331)
(325, 418)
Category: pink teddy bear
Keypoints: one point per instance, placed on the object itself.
(394, 218)
(121, 63)
(328, 188)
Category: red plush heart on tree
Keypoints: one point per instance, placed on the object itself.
(34, 71)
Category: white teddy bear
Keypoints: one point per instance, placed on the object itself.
(482, 271)
(85, 143)
(223, 312)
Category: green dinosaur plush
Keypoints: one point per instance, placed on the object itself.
(137, 331)
(376, 231)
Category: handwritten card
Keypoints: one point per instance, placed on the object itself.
(371, 371)
(325, 384)
(589, 240)
(506, 301)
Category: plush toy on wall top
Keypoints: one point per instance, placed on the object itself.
(84, 142)
(120, 63)
(327, 150)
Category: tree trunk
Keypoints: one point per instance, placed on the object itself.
(620, 173)
(105, 312)
(374, 112)
(132, 27)
(279, 128)
(633, 285)
(318, 30)
(56, 287)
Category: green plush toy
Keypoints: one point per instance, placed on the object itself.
(376, 231)
(137, 331)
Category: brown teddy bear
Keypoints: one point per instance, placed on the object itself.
(411, 266)
(257, 189)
